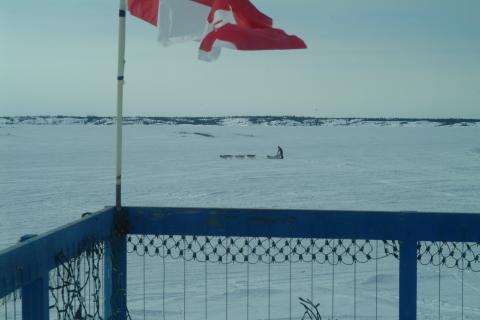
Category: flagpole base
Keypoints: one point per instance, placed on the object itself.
(118, 200)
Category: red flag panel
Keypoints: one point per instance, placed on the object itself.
(144, 9)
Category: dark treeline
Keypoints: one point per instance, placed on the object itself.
(254, 120)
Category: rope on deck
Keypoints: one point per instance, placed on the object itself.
(75, 285)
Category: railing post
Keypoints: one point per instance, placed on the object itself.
(115, 272)
(35, 295)
(408, 280)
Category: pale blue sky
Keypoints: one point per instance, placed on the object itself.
(405, 58)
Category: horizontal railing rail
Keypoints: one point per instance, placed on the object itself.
(418, 226)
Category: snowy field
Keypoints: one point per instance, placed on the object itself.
(49, 175)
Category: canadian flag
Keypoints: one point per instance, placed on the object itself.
(235, 24)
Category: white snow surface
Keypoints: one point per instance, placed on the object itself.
(49, 175)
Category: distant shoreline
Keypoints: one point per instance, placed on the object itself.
(241, 121)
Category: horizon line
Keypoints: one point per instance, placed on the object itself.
(249, 116)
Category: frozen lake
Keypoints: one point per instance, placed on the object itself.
(52, 174)
(49, 175)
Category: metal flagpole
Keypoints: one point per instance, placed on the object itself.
(121, 67)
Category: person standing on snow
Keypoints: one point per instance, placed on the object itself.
(280, 152)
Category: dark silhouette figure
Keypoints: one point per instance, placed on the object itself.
(280, 152)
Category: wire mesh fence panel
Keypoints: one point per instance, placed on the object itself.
(11, 306)
(448, 280)
(76, 285)
(198, 277)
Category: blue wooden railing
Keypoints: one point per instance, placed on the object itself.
(26, 265)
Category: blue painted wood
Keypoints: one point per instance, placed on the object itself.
(115, 272)
(408, 280)
(35, 300)
(35, 295)
(107, 280)
(408, 227)
(27, 264)
(30, 260)
(305, 223)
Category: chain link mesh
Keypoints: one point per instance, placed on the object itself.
(260, 250)
(464, 256)
(460, 255)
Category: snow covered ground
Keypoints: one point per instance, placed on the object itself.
(52, 174)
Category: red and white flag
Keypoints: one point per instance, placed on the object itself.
(235, 24)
